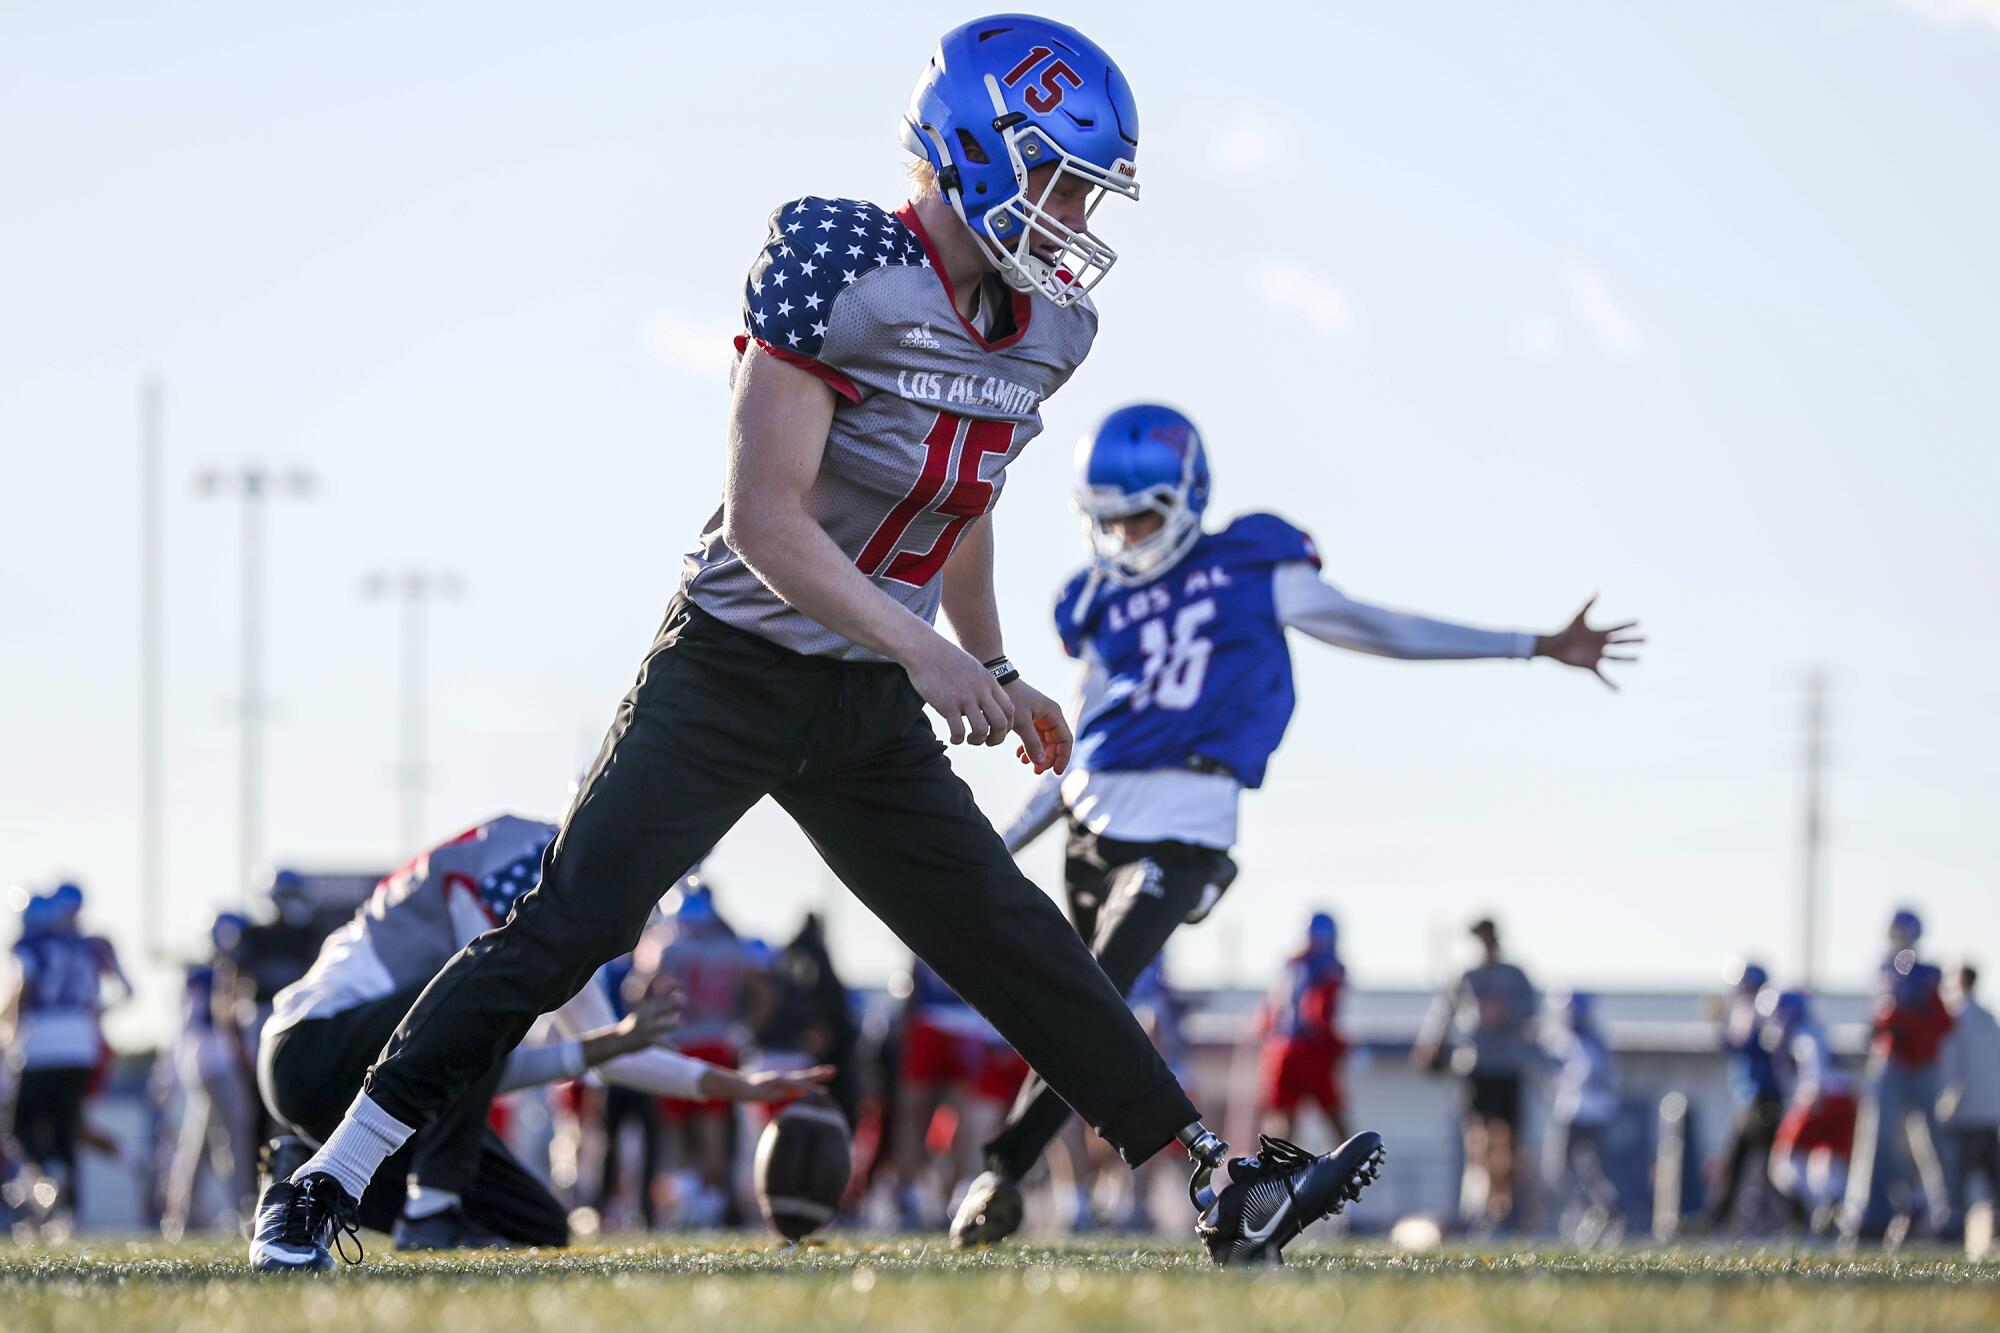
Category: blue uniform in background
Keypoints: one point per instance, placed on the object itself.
(1196, 665)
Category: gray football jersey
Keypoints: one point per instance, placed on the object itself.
(930, 412)
(418, 917)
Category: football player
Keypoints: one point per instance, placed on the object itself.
(1300, 1023)
(709, 966)
(455, 1184)
(1815, 1140)
(891, 365)
(264, 957)
(1187, 691)
(52, 1038)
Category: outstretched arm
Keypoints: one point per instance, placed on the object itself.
(627, 1051)
(1305, 602)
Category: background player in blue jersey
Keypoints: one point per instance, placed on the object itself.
(51, 1033)
(892, 365)
(1187, 691)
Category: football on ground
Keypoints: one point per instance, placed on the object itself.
(802, 1167)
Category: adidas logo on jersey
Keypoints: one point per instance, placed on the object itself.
(920, 335)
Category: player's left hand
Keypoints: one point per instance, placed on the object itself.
(777, 1085)
(1044, 732)
(1577, 644)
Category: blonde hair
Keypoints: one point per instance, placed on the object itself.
(922, 177)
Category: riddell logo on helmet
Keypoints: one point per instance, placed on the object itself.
(920, 335)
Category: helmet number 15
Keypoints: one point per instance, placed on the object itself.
(1176, 662)
(1046, 93)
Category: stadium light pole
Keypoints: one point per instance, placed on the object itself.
(254, 484)
(1812, 828)
(151, 619)
(415, 589)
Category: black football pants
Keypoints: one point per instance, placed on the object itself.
(1125, 898)
(718, 719)
(307, 1076)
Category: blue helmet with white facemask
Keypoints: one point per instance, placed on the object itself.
(1141, 459)
(1002, 96)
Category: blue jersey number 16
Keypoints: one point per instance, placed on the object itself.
(1175, 662)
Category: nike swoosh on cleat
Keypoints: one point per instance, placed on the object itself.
(1263, 1233)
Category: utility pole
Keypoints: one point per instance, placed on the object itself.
(415, 589)
(151, 620)
(253, 484)
(1812, 828)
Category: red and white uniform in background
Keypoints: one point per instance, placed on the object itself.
(707, 964)
(1823, 1110)
(1302, 1047)
(946, 1041)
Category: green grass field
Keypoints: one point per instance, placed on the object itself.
(712, 1284)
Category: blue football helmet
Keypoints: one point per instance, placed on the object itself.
(226, 932)
(1785, 1009)
(38, 915)
(1744, 975)
(1009, 93)
(1141, 459)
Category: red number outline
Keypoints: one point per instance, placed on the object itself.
(968, 498)
(1028, 62)
(1048, 96)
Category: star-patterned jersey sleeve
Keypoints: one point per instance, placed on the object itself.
(815, 251)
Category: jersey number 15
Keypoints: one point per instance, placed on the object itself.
(967, 499)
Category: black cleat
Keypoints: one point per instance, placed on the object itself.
(990, 1213)
(1275, 1195)
(299, 1225)
(447, 1229)
(280, 1159)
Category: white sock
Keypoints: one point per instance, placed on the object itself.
(365, 1137)
(425, 1201)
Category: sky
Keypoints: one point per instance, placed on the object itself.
(1689, 303)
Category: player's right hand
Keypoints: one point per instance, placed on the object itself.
(963, 693)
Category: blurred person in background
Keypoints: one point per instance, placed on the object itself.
(52, 1035)
(1811, 1151)
(215, 1101)
(1480, 1027)
(831, 1034)
(1895, 1151)
(693, 949)
(1969, 1105)
(114, 988)
(1753, 1087)
(621, 1109)
(1187, 692)
(268, 956)
(1581, 1116)
(1299, 1065)
(946, 1081)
